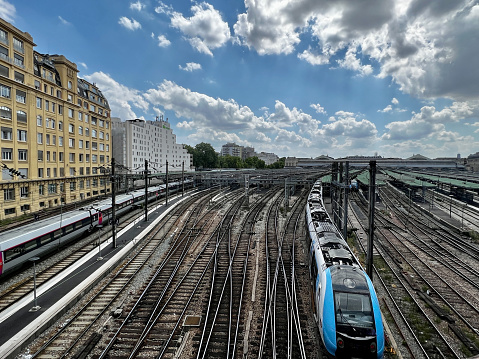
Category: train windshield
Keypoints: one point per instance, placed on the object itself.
(354, 314)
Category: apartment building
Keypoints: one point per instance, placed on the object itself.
(55, 129)
(137, 140)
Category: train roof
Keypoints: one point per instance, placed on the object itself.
(14, 236)
(348, 279)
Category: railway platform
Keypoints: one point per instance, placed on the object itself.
(19, 325)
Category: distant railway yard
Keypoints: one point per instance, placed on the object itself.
(224, 270)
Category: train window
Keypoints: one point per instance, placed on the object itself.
(86, 222)
(314, 270)
(30, 245)
(69, 229)
(13, 253)
(47, 238)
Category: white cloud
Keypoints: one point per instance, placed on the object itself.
(424, 46)
(205, 30)
(7, 11)
(395, 101)
(137, 5)
(388, 108)
(163, 41)
(129, 24)
(83, 65)
(190, 67)
(120, 97)
(318, 108)
(63, 21)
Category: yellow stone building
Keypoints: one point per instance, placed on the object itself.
(55, 129)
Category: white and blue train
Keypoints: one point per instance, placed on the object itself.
(345, 303)
(38, 238)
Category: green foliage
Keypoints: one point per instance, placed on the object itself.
(204, 156)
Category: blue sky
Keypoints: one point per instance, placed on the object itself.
(298, 78)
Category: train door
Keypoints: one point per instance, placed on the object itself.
(1, 263)
(100, 217)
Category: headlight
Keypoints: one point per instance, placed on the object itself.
(340, 343)
(372, 347)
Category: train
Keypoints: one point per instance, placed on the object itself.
(345, 304)
(36, 239)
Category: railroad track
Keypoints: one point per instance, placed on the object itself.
(83, 330)
(420, 271)
(152, 325)
(19, 288)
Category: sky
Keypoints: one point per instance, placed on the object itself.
(299, 78)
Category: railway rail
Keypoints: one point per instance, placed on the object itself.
(21, 285)
(83, 329)
(423, 266)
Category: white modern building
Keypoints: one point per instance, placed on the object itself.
(135, 141)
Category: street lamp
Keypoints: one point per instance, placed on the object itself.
(36, 307)
(99, 242)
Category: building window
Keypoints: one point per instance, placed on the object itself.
(87, 132)
(54, 140)
(48, 157)
(53, 107)
(69, 98)
(80, 116)
(22, 155)
(94, 158)
(39, 120)
(86, 118)
(41, 189)
(39, 102)
(92, 108)
(18, 45)
(60, 158)
(80, 144)
(52, 188)
(52, 121)
(94, 146)
(60, 125)
(80, 159)
(21, 96)
(6, 133)
(72, 185)
(102, 147)
(101, 135)
(101, 123)
(47, 138)
(22, 135)
(71, 142)
(71, 128)
(70, 113)
(40, 138)
(70, 85)
(93, 133)
(9, 194)
(93, 120)
(19, 77)
(5, 112)
(72, 157)
(3, 36)
(7, 154)
(18, 60)
(47, 105)
(4, 71)
(80, 130)
(85, 105)
(87, 145)
(60, 141)
(5, 91)
(37, 84)
(60, 109)
(21, 116)
(59, 93)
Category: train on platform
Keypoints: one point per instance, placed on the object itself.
(37, 239)
(345, 304)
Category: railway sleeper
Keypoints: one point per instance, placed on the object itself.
(438, 310)
(470, 345)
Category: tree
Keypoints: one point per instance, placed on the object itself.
(254, 162)
(205, 156)
(278, 164)
(230, 162)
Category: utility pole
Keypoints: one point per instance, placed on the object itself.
(182, 178)
(167, 183)
(146, 190)
(346, 193)
(372, 200)
(113, 202)
(333, 191)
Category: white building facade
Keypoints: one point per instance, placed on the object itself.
(135, 141)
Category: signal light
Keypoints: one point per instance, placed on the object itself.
(340, 343)
(372, 347)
